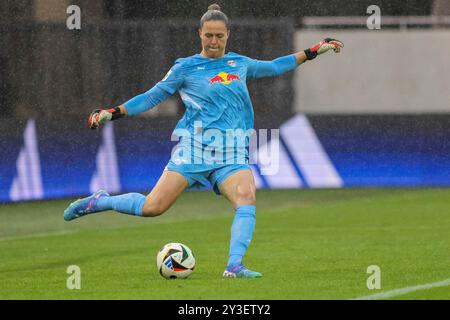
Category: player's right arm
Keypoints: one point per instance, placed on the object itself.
(281, 65)
(143, 102)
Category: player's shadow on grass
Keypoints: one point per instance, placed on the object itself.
(67, 262)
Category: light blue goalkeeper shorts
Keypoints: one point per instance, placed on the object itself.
(199, 175)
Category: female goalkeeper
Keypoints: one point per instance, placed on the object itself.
(213, 88)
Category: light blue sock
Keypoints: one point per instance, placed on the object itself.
(241, 234)
(129, 203)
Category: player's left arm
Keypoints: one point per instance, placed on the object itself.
(279, 66)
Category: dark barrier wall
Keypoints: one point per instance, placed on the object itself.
(46, 160)
(386, 150)
(153, 9)
(51, 71)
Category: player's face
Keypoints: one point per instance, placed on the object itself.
(214, 35)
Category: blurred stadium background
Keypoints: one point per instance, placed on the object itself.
(375, 116)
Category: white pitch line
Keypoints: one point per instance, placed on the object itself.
(401, 291)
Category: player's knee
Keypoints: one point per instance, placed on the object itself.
(246, 195)
(153, 209)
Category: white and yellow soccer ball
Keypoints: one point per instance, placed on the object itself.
(175, 261)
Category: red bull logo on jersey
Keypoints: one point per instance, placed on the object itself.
(224, 77)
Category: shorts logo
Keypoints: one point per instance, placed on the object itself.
(224, 77)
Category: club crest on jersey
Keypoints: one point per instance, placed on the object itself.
(224, 77)
(232, 63)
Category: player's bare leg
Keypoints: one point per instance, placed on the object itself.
(239, 188)
(169, 187)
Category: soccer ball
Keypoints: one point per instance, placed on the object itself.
(175, 260)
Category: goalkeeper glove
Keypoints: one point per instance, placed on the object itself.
(323, 46)
(99, 116)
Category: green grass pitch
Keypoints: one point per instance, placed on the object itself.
(309, 244)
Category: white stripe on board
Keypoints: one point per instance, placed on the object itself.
(276, 167)
(27, 184)
(106, 175)
(402, 291)
(258, 182)
(308, 153)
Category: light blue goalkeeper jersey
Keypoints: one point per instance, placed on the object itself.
(214, 92)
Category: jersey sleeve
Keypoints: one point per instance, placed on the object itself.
(172, 81)
(146, 101)
(260, 69)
